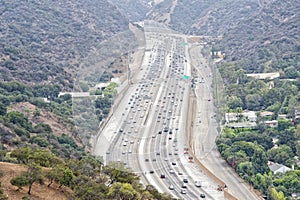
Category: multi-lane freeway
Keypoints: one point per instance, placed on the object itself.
(147, 130)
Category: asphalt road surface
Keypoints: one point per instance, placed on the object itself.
(147, 130)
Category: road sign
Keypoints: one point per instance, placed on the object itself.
(185, 77)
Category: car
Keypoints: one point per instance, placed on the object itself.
(146, 160)
(202, 196)
(185, 180)
(183, 191)
(151, 172)
(180, 173)
(162, 176)
(171, 171)
(173, 163)
(198, 183)
(124, 143)
(183, 185)
(158, 153)
(171, 187)
(154, 159)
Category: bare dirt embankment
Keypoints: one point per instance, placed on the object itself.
(38, 192)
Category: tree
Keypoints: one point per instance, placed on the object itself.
(254, 101)
(2, 109)
(123, 191)
(115, 191)
(19, 181)
(272, 96)
(118, 173)
(66, 178)
(34, 174)
(280, 154)
(22, 154)
(291, 72)
(51, 175)
(283, 124)
(19, 119)
(234, 102)
(274, 195)
(297, 140)
(87, 189)
(128, 192)
(262, 182)
(259, 161)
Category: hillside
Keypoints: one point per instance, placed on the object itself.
(10, 170)
(45, 41)
(134, 10)
(261, 35)
(267, 41)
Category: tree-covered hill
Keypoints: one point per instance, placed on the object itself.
(262, 35)
(133, 9)
(45, 41)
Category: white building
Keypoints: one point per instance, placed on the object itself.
(278, 168)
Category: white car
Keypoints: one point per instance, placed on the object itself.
(198, 183)
(183, 191)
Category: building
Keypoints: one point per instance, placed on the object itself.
(241, 125)
(75, 94)
(271, 123)
(278, 168)
(282, 116)
(266, 113)
(249, 116)
(263, 76)
(231, 117)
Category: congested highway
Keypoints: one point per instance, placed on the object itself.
(147, 131)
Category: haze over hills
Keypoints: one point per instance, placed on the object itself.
(45, 41)
(259, 34)
(50, 38)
